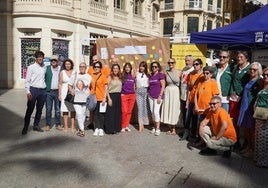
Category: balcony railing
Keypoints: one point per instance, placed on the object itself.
(98, 8)
(138, 21)
(120, 15)
(43, 6)
(193, 6)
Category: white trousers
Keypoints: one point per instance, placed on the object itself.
(155, 109)
(80, 110)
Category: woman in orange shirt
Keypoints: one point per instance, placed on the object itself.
(99, 87)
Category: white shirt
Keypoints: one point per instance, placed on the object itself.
(55, 77)
(35, 77)
(142, 80)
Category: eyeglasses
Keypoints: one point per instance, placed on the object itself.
(96, 67)
(154, 67)
(213, 103)
(206, 73)
(196, 64)
(82, 66)
(264, 75)
(252, 69)
(170, 62)
(224, 57)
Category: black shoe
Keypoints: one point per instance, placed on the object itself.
(184, 136)
(24, 131)
(208, 152)
(226, 154)
(38, 129)
(90, 126)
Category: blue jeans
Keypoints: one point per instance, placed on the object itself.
(52, 96)
(38, 98)
(225, 106)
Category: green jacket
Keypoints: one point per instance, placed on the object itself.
(225, 80)
(239, 80)
(48, 77)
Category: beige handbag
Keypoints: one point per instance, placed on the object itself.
(261, 113)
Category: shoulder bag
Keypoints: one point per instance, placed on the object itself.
(92, 99)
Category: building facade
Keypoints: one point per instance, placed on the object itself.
(67, 28)
(178, 18)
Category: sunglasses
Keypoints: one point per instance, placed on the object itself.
(96, 67)
(170, 62)
(213, 103)
(264, 75)
(252, 69)
(206, 73)
(155, 67)
(224, 57)
(196, 64)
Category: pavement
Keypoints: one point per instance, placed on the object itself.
(132, 159)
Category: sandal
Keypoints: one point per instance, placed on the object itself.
(81, 133)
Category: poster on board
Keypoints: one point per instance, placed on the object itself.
(179, 51)
(134, 50)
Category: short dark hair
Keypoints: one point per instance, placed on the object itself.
(97, 62)
(199, 61)
(209, 69)
(39, 54)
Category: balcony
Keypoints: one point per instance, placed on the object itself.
(193, 6)
(98, 8)
(63, 7)
(120, 15)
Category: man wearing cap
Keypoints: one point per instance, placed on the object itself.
(52, 89)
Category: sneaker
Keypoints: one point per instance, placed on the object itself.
(128, 129)
(123, 130)
(226, 154)
(157, 132)
(208, 152)
(96, 132)
(101, 132)
(152, 131)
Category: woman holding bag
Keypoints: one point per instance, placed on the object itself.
(261, 126)
(64, 78)
(79, 87)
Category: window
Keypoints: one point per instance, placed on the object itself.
(168, 4)
(168, 26)
(209, 25)
(154, 14)
(192, 24)
(210, 5)
(137, 7)
(60, 48)
(100, 1)
(28, 48)
(120, 4)
(195, 3)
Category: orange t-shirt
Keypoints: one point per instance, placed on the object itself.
(204, 92)
(193, 80)
(216, 119)
(100, 86)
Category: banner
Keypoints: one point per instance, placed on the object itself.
(133, 50)
(260, 56)
(179, 51)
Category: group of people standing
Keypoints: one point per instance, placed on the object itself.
(212, 102)
(236, 89)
